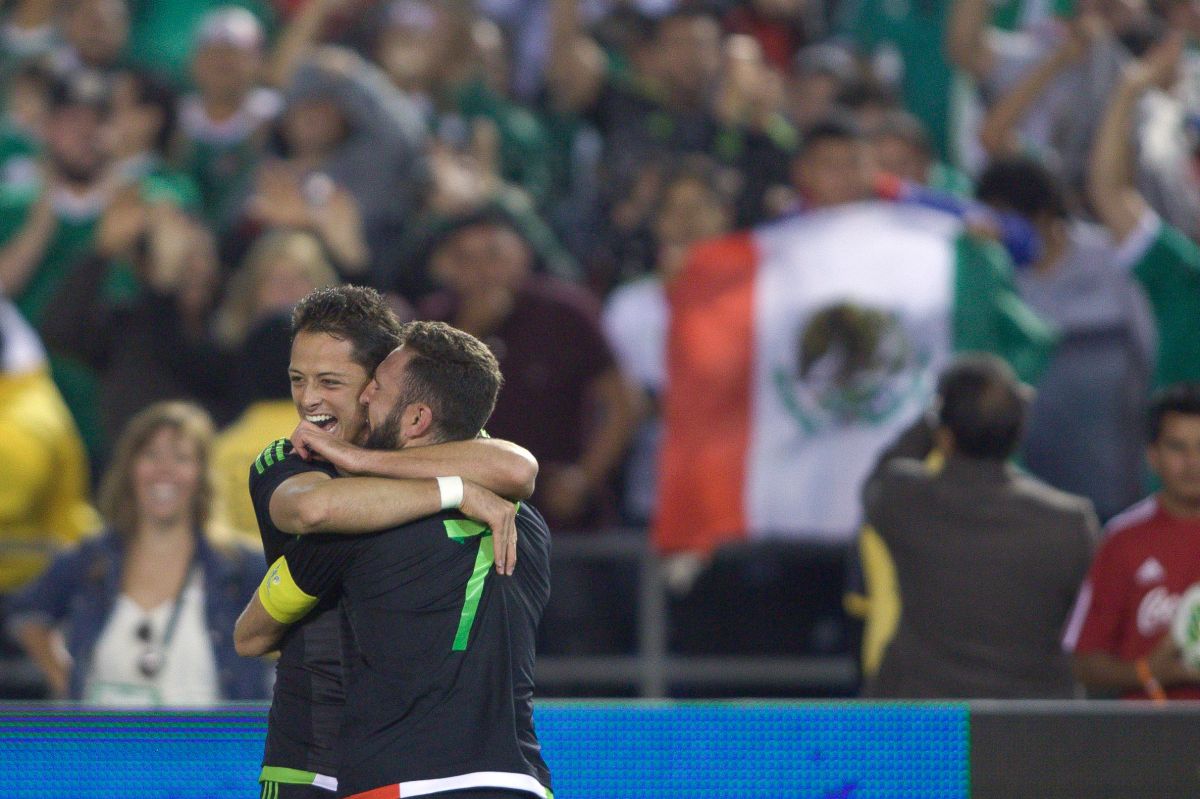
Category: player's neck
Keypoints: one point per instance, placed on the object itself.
(1179, 507)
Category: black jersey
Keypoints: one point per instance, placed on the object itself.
(430, 686)
(307, 705)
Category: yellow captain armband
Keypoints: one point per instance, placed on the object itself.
(285, 601)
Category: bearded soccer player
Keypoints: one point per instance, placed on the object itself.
(340, 335)
(1120, 629)
(439, 696)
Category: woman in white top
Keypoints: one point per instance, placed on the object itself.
(147, 609)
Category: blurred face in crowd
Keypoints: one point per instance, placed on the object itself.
(314, 127)
(833, 172)
(98, 30)
(284, 283)
(167, 477)
(896, 156)
(415, 43)
(73, 140)
(130, 127)
(27, 105)
(811, 96)
(687, 54)
(482, 258)
(690, 211)
(326, 384)
(1175, 458)
(225, 72)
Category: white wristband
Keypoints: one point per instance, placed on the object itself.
(451, 489)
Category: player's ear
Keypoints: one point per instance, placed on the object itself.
(418, 418)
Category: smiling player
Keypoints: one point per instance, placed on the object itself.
(340, 334)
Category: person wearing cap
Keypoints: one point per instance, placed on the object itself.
(46, 227)
(164, 32)
(225, 122)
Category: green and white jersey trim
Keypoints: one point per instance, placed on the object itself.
(294, 776)
(477, 779)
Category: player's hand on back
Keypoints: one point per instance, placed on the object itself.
(498, 514)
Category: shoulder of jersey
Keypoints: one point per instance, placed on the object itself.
(274, 453)
(1132, 518)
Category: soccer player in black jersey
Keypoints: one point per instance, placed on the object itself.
(340, 336)
(439, 688)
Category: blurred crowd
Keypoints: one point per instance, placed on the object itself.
(175, 175)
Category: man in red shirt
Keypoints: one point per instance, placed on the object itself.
(1119, 631)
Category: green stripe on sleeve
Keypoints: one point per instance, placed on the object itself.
(483, 564)
(258, 465)
(288, 776)
(279, 450)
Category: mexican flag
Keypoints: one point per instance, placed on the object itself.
(799, 350)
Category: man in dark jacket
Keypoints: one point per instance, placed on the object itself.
(988, 559)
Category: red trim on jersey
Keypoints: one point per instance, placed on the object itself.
(386, 792)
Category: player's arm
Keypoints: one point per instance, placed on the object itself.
(1103, 672)
(313, 502)
(288, 591)
(257, 632)
(1110, 184)
(499, 466)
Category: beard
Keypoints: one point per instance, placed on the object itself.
(387, 435)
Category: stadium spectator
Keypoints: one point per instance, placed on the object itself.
(1084, 433)
(96, 33)
(46, 227)
(1045, 88)
(696, 202)
(564, 397)
(254, 328)
(666, 104)
(226, 120)
(833, 166)
(1120, 629)
(1165, 262)
(353, 166)
(23, 125)
(978, 632)
(163, 33)
(900, 146)
(142, 328)
(435, 53)
(146, 608)
(45, 475)
(28, 33)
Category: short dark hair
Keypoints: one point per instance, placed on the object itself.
(982, 403)
(153, 89)
(1181, 398)
(356, 314)
(1023, 185)
(837, 127)
(452, 372)
(907, 128)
